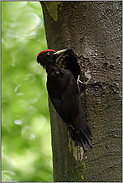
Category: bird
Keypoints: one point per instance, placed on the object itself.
(64, 93)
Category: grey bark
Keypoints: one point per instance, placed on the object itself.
(93, 29)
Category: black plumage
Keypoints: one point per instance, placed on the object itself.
(64, 93)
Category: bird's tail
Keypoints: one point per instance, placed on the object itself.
(81, 137)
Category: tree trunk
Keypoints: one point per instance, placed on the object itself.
(91, 29)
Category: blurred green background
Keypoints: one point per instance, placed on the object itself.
(26, 153)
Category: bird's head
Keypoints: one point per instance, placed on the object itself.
(45, 57)
(48, 56)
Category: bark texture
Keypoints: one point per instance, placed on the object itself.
(91, 29)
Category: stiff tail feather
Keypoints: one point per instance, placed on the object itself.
(81, 137)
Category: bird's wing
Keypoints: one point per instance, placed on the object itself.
(66, 103)
(69, 102)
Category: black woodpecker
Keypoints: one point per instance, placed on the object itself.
(64, 93)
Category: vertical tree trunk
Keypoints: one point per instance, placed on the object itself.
(93, 29)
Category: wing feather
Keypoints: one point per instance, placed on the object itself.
(64, 95)
(66, 100)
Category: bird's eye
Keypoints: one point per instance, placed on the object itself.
(48, 53)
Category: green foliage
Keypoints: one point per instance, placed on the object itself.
(26, 141)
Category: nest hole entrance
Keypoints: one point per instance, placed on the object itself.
(69, 61)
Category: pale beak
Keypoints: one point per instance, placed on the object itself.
(60, 51)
